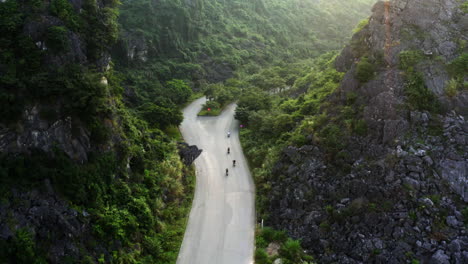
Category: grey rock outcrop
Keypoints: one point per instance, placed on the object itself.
(47, 217)
(380, 209)
(63, 131)
(135, 45)
(399, 193)
(37, 133)
(435, 29)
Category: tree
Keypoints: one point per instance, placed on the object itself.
(255, 100)
(252, 101)
(283, 124)
(161, 117)
(177, 90)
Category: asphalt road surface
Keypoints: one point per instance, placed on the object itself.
(221, 224)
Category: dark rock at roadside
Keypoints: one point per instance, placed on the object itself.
(188, 153)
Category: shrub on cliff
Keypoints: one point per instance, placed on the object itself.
(364, 70)
(418, 95)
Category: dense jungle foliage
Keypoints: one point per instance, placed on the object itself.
(136, 198)
(233, 49)
(211, 41)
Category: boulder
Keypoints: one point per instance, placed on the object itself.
(188, 153)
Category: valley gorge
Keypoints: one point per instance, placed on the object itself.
(352, 116)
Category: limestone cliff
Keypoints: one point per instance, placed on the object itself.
(398, 194)
(53, 76)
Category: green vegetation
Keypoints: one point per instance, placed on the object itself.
(28, 80)
(138, 195)
(465, 216)
(409, 59)
(57, 39)
(418, 95)
(365, 70)
(124, 206)
(451, 88)
(464, 7)
(161, 115)
(64, 11)
(361, 25)
(459, 66)
(273, 122)
(21, 249)
(218, 96)
(205, 42)
(458, 69)
(210, 108)
(290, 251)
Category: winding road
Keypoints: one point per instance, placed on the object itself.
(222, 220)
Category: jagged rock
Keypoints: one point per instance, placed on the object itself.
(428, 160)
(37, 133)
(427, 202)
(188, 153)
(412, 183)
(273, 249)
(135, 45)
(456, 173)
(400, 152)
(455, 246)
(47, 217)
(439, 258)
(5, 232)
(460, 258)
(278, 261)
(453, 222)
(400, 168)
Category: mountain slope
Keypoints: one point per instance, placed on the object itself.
(375, 171)
(86, 172)
(205, 41)
(83, 178)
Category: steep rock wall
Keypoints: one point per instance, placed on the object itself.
(398, 194)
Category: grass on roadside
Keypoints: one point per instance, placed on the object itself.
(174, 133)
(211, 112)
(272, 244)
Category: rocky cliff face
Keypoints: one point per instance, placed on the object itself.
(434, 30)
(52, 71)
(34, 132)
(55, 35)
(53, 220)
(398, 194)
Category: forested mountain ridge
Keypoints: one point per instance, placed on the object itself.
(206, 41)
(372, 166)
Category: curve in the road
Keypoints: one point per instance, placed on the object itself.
(222, 220)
